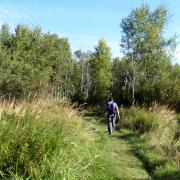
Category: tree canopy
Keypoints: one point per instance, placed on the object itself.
(32, 62)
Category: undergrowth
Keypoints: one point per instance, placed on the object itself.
(157, 143)
(46, 139)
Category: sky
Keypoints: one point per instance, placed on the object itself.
(85, 22)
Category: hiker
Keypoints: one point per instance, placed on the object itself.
(111, 108)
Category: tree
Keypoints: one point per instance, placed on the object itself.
(174, 88)
(126, 75)
(33, 62)
(83, 61)
(131, 77)
(119, 87)
(29, 68)
(101, 75)
(143, 44)
(62, 65)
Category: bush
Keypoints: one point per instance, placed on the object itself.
(140, 120)
(79, 98)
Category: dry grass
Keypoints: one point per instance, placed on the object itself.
(46, 139)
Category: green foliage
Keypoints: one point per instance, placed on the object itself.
(174, 88)
(33, 63)
(156, 142)
(144, 74)
(62, 67)
(81, 74)
(46, 139)
(169, 171)
(79, 98)
(143, 33)
(29, 59)
(100, 64)
(141, 120)
(178, 117)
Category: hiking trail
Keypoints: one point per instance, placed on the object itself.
(123, 163)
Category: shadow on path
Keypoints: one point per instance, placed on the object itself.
(125, 165)
(135, 146)
(140, 150)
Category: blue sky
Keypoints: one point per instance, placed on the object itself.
(84, 22)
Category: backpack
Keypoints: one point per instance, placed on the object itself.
(111, 108)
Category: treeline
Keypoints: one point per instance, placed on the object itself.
(146, 73)
(32, 62)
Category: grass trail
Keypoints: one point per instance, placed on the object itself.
(123, 164)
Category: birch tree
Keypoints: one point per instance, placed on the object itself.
(146, 48)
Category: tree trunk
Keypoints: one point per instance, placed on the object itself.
(133, 100)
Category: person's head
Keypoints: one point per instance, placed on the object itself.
(110, 98)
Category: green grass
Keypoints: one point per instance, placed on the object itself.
(119, 156)
(46, 139)
(155, 140)
(140, 120)
(150, 137)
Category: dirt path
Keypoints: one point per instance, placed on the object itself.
(122, 162)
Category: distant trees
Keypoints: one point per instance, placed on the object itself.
(81, 77)
(62, 66)
(32, 62)
(101, 74)
(85, 79)
(146, 66)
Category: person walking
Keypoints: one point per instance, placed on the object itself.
(112, 111)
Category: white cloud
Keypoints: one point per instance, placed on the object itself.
(16, 15)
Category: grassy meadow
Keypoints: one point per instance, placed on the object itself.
(51, 139)
(155, 136)
(46, 139)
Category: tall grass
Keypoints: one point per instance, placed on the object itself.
(159, 143)
(45, 139)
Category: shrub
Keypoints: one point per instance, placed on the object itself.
(140, 120)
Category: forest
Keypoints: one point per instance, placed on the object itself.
(46, 133)
(33, 62)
